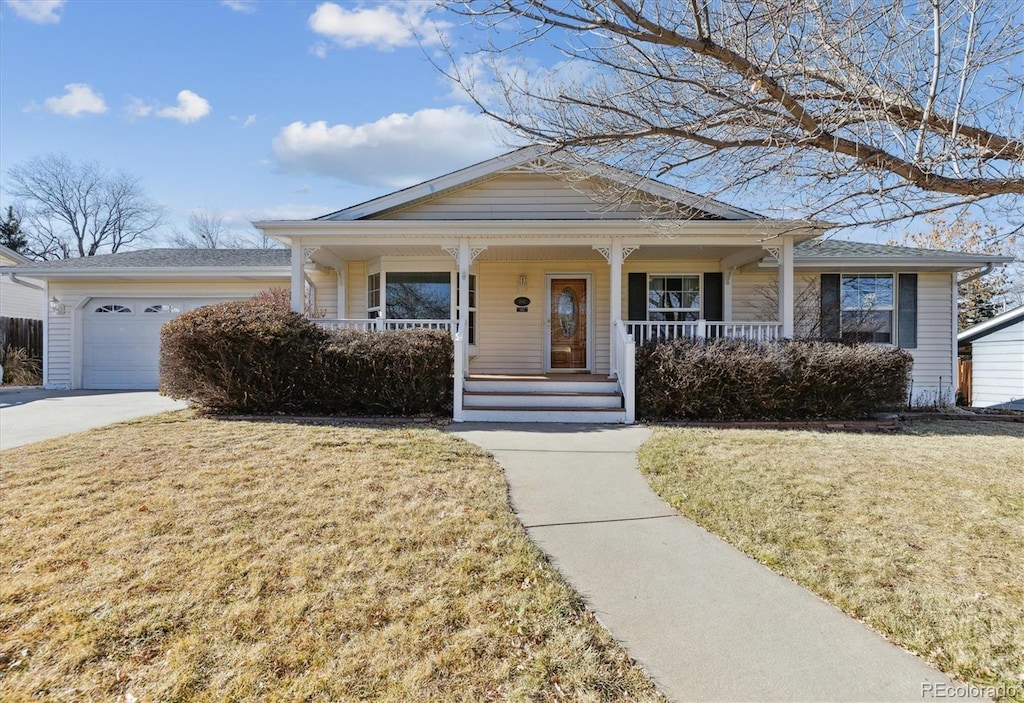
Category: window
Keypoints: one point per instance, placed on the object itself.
(418, 296)
(163, 309)
(113, 308)
(673, 298)
(866, 308)
(373, 295)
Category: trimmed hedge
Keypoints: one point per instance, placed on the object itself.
(257, 356)
(790, 380)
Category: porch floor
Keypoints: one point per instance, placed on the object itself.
(557, 377)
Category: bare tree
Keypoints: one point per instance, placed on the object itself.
(80, 209)
(861, 111)
(207, 229)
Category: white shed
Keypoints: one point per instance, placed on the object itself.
(998, 360)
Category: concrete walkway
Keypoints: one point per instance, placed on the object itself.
(32, 414)
(705, 621)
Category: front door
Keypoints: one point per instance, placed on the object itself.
(568, 323)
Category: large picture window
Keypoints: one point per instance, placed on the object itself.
(866, 308)
(673, 298)
(418, 296)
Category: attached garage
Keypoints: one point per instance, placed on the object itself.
(104, 313)
(121, 340)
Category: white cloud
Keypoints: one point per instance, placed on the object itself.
(386, 26)
(246, 6)
(137, 107)
(190, 108)
(395, 151)
(78, 99)
(246, 121)
(38, 11)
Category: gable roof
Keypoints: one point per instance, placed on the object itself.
(548, 161)
(999, 322)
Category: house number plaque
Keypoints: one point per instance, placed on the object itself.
(522, 304)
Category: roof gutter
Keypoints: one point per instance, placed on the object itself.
(14, 279)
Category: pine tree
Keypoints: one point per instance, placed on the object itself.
(11, 235)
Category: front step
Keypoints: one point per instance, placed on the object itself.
(587, 399)
(594, 416)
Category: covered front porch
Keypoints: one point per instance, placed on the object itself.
(533, 310)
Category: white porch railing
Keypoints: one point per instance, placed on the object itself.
(625, 368)
(649, 332)
(379, 324)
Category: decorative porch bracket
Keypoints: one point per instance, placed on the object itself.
(606, 252)
(473, 252)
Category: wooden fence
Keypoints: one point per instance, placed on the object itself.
(20, 332)
(964, 377)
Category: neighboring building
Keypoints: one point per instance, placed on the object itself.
(997, 360)
(22, 299)
(539, 273)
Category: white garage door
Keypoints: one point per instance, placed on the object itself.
(121, 340)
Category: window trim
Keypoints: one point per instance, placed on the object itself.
(699, 310)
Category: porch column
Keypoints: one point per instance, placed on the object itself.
(341, 271)
(298, 275)
(786, 316)
(465, 259)
(615, 267)
(727, 294)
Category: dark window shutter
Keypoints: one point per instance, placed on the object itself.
(714, 297)
(830, 306)
(637, 298)
(906, 315)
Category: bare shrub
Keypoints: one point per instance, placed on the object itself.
(792, 380)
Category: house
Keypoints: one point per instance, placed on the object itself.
(547, 270)
(18, 298)
(997, 360)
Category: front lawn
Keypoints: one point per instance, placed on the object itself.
(178, 558)
(919, 533)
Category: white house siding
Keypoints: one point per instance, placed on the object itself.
(19, 301)
(510, 342)
(326, 285)
(522, 196)
(755, 299)
(355, 291)
(998, 368)
(934, 375)
(63, 345)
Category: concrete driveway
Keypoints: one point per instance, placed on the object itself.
(32, 414)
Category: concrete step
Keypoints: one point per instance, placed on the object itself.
(555, 414)
(542, 400)
(540, 385)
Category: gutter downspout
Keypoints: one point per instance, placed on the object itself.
(14, 279)
(986, 270)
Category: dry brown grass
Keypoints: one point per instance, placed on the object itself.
(919, 533)
(178, 558)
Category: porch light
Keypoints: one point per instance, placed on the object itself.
(56, 306)
(522, 281)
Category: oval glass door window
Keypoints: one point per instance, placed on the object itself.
(568, 312)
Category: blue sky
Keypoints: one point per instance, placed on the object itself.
(274, 109)
(256, 109)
